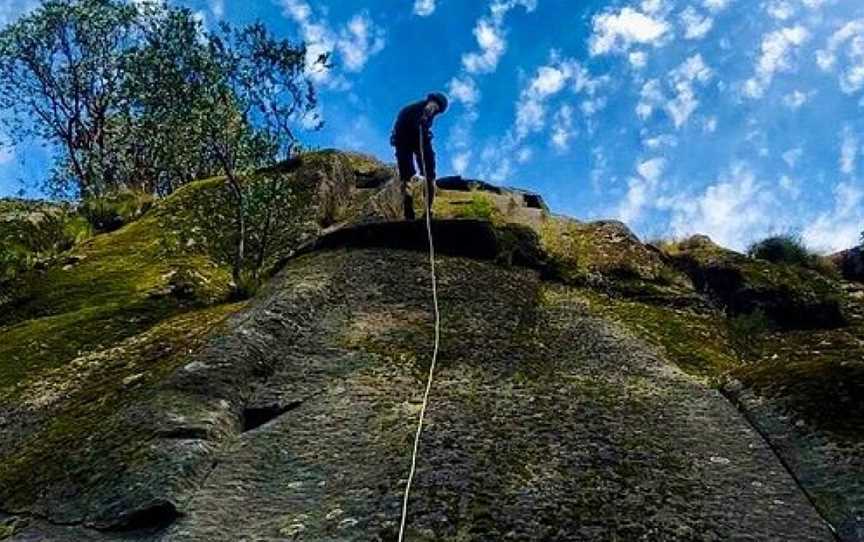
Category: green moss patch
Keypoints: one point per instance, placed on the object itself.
(697, 342)
(792, 296)
(85, 401)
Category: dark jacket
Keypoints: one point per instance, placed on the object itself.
(406, 131)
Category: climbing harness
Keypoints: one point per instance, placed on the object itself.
(428, 188)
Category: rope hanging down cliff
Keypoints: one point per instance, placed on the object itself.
(429, 184)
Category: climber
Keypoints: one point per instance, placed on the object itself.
(413, 121)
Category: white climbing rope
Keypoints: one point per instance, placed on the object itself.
(437, 341)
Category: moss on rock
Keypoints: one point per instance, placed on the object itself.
(792, 296)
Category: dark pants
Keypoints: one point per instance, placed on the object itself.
(406, 156)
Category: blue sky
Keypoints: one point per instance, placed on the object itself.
(733, 118)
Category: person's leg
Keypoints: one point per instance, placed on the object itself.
(405, 164)
(428, 166)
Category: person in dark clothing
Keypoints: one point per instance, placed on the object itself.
(413, 121)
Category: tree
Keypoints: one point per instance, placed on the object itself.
(62, 72)
(165, 75)
(254, 90)
(141, 95)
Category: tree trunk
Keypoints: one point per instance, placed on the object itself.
(240, 249)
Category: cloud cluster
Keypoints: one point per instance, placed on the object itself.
(840, 227)
(731, 211)
(619, 31)
(848, 151)
(353, 44)
(491, 37)
(682, 81)
(424, 8)
(847, 45)
(641, 190)
(776, 56)
(548, 81)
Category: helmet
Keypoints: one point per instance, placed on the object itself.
(440, 99)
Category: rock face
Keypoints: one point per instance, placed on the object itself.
(581, 392)
(547, 423)
(851, 263)
(792, 297)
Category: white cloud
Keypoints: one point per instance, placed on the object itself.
(641, 190)
(492, 44)
(424, 8)
(781, 10)
(617, 32)
(733, 211)
(696, 26)
(562, 131)
(848, 151)
(682, 81)
(775, 57)
(660, 141)
(464, 89)
(357, 41)
(709, 126)
(791, 187)
(360, 40)
(814, 4)
(652, 6)
(716, 5)
(683, 78)
(847, 42)
(794, 100)
(651, 170)
(839, 228)
(217, 8)
(491, 36)
(550, 80)
(460, 162)
(650, 97)
(638, 59)
(792, 156)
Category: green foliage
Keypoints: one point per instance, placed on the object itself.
(744, 331)
(480, 208)
(61, 71)
(113, 211)
(786, 248)
(251, 91)
(270, 203)
(139, 95)
(790, 249)
(246, 286)
(31, 232)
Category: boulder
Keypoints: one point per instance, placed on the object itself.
(791, 296)
(851, 263)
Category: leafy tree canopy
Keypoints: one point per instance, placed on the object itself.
(141, 95)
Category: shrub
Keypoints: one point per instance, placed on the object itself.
(112, 212)
(744, 331)
(246, 286)
(480, 208)
(790, 249)
(31, 232)
(786, 248)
